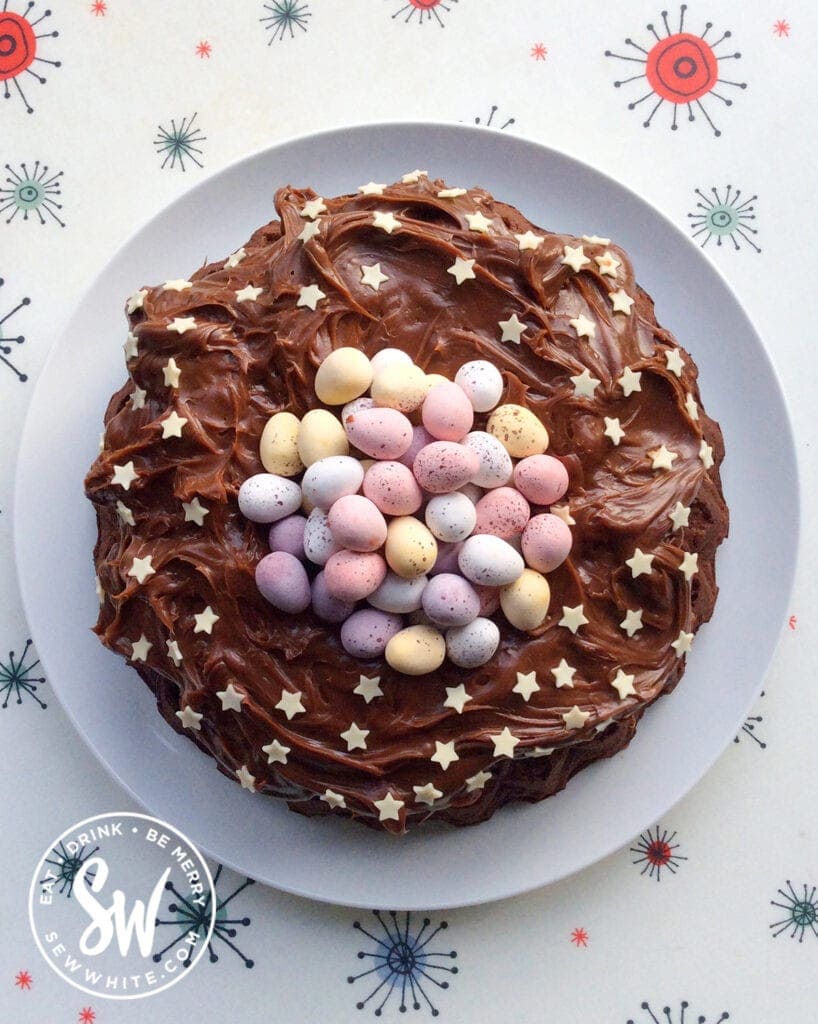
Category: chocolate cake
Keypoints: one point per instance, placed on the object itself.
(269, 695)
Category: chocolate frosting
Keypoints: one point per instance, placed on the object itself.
(244, 360)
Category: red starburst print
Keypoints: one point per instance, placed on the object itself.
(204, 49)
(793, 621)
(579, 937)
(18, 45)
(87, 1016)
(99, 8)
(22, 980)
(539, 51)
(781, 28)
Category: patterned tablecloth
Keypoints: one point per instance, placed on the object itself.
(112, 109)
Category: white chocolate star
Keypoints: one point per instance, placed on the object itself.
(526, 685)
(608, 264)
(172, 425)
(387, 221)
(413, 177)
(373, 276)
(290, 703)
(504, 743)
(189, 718)
(623, 684)
(355, 738)
(584, 384)
(462, 270)
(706, 454)
(574, 258)
(372, 188)
(247, 780)
(640, 564)
(511, 328)
(680, 515)
(563, 675)
(333, 799)
(174, 653)
(124, 475)
(310, 230)
(195, 511)
(477, 781)
(427, 794)
(621, 301)
(674, 361)
(444, 754)
(573, 618)
(248, 293)
(140, 648)
(528, 240)
(368, 688)
(310, 295)
(691, 408)
(388, 808)
(584, 327)
(682, 644)
(632, 622)
(125, 514)
(596, 240)
(171, 373)
(451, 193)
(602, 726)
(629, 381)
(141, 569)
(131, 346)
(575, 718)
(313, 207)
(235, 258)
(564, 513)
(138, 396)
(478, 222)
(689, 565)
(205, 621)
(613, 429)
(662, 458)
(457, 698)
(181, 324)
(137, 300)
(276, 752)
(179, 285)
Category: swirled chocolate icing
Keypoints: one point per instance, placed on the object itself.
(241, 359)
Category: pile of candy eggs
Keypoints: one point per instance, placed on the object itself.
(398, 521)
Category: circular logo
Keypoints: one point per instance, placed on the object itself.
(122, 905)
(18, 45)
(681, 68)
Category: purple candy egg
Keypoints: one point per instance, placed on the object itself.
(420, 438)
(327, 607)
(366, 633)
(446, 560)
(450, 600)
(282, 580)
(288, 535)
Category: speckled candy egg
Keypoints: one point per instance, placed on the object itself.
(447, 412)
(345, 374)
(482, 383)
(319, 436)
(366, 633)
(401, 386)
(411, 549)
(357, 523)
(450, 600)
(288, 535)
(381, 433)
(495, 466)
(393, 488)
(541, 478)
(278, 447)
(266, 498)
(525, 601)
(474, 644)
(450, 517)
(444, 466)
(329, 479)
(489, 561)
(327, 607)
(503, 512)
(398, 595)
(546, 542)
(389, 357)
(416, 650)
(357, 405)
(420, 438)
(318, 540)
(354, 575)
(282, 580)
(518, 430)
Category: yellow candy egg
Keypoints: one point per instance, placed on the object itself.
(278, 448)
(321, 435)
(525, 601)
(518, 430)
(345, 374)
(411, 548)
(435, 378)
(401, 386)
(416, 650)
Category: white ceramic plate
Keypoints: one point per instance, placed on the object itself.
(522, 847)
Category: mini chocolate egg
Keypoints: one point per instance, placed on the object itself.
(318, 540)
(450, 600)
(420, 438)
(288, 535)
(541, 478)
(321, 435)
(278, 447)
(357, 523)
(411, 549)
(447, 412)
(345, 374)
(266, 498)
(489, 561)
(495, 465)
(282, 580)
(416, 650)
(400, 386)
(357, 405)
(482, 383)
(381, 433)
(327, 480)
(503, 512)
(366, 633)
(327, 607)
(443, 466)
(474, 644)
(389, 357)
(393, 488)
(354, 575)
(547, 541)
(525, 601)
(398, 595)
(451, 517)
(518, 430)
(446, 560)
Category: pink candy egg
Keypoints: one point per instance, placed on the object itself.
(502, 512)
(354, 575)
(450, 600)
(288, 535)
(444, 466)
(393, 488)
(356, 523)
(327, 607)
(420, 438)
(282, 580)
(366, 633)
(447, 412)
(381, 433)
(546, 542)
(541, 478)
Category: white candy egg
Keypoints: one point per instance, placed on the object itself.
(389, 357)
(482, 383)
(496, 467)
(266, 498)
(331, 478)
(398, 595)
(319, 543)
(473, 644)
(490, 561)
(451, 517)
